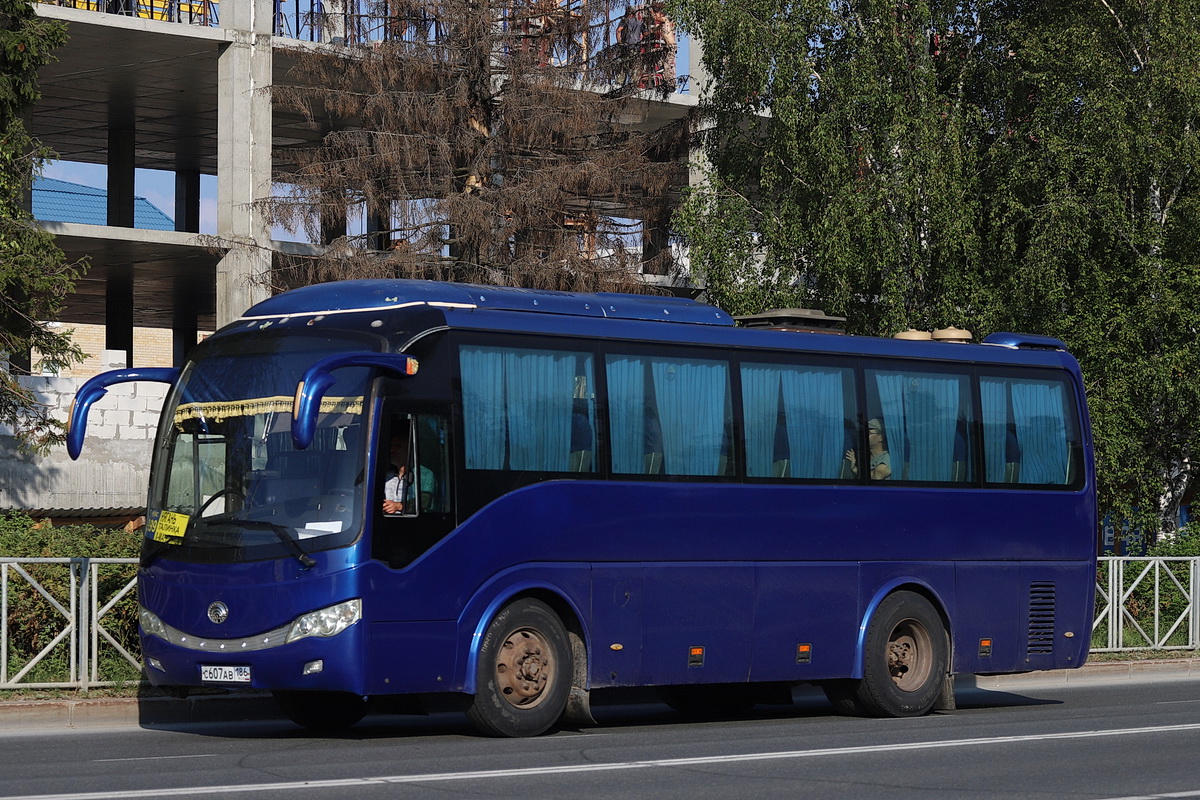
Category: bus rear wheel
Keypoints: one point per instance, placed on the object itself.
(322, 711)
(905, 661)
(524, 671)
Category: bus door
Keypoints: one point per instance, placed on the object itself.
(412, 501)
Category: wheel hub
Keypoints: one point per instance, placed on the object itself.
(909, 655)
(523, 668)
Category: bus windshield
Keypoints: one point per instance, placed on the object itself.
(232, 486)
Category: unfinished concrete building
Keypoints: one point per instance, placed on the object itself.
(183, 87)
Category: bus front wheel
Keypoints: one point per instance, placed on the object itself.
(524, 671)
(905, 661)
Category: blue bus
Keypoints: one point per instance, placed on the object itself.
(510, 498)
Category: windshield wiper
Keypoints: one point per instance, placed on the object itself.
(280, 532)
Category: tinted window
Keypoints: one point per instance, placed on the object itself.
(527, 409)
(1029, 432)
(799, 420)
(669, 416)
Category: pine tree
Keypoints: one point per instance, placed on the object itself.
(34, 277)
(485, 142)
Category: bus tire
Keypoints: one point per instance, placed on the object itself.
(524, 671)
(322, 711)
(905, 661)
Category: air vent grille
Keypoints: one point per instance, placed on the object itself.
(1041, 618)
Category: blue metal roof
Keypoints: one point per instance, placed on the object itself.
(342, 297)
(390, 303)
(63, 201)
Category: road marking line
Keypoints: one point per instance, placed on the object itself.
(440, 777)
(1164, 796)
(154, 758)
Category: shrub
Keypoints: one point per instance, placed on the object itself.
(33, 620)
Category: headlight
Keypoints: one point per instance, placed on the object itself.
(151, 624)
(327, 621)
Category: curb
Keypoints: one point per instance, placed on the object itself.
(112, 712)
(1097, 672)
(136, 711)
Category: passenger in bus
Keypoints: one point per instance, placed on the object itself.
(398, 489)
(881, 460)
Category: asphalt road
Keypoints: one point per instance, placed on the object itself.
(1097, 740)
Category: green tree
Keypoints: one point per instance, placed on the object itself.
(858, 185)
(34, 277)
(1093, 217)
(1004, 164)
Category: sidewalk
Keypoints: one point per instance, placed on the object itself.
(133, 711)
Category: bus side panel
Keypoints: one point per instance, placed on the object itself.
(706, 606)
(567, 586)
(411, 657)
(1057, 608)
(988, 614)
(615, 652)
(805, 621)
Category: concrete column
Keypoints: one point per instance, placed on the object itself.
(118, 313)
(121, 166)
(187, 200)
(695, 69)
(184, 326)
(243, 157)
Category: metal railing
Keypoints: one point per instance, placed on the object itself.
(1146, 604)
(59, 620)
(76, 606)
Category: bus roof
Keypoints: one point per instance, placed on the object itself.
(388, 303)
(342, 297)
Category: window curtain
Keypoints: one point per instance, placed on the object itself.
(541, 404)
(920, 417)
(891, 400)
(994, 395)
(761, 407)
(627, 413)
(813, 405)
(1041, 431)
(693, 406)
(484, 407)
(932, 424)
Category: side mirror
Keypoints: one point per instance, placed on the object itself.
(96, 388)
(318, 378)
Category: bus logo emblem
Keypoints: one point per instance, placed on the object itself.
(218, 612)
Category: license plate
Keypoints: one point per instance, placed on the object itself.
(215, 674)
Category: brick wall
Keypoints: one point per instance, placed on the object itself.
(113, 470)
(152, 347)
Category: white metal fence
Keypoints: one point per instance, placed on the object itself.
(1146, 604)
(1141, 604)
(69, 608)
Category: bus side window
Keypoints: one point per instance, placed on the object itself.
(925, 417)
(1028, 431)
(398, 467)
(669, 416)
(799, 420)
(433, 457)
(527, 410)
